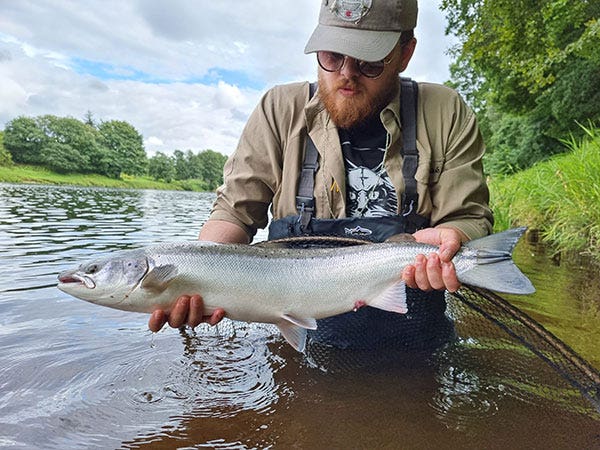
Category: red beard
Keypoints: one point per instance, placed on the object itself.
(347, 112)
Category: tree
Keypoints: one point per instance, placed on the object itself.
(125, 148)
(88, 119)
(75, 138)
(211, 164)
(24, 139)
(182, 165)
(160, 166)
(5, 157)
(61, 158)
(539, 68)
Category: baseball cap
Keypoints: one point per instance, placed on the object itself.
(362, 29)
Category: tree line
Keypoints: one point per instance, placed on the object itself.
(529, 68)
(110, 148)
(531, 71)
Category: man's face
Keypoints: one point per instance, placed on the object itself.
(351, 98)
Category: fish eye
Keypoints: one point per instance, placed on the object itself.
(92, 269)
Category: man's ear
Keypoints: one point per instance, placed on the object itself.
(407, 51)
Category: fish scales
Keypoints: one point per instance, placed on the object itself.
(289, 287)
(273, 282)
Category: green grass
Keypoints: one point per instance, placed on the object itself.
(40, 175)
(559, 197)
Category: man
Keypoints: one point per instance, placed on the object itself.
(362, 179)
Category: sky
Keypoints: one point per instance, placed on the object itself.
(185, 73)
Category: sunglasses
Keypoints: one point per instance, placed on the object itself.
(333, 62)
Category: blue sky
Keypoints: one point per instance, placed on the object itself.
(110, 72)
(186, 74)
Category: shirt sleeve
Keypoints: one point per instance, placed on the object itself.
(252, 173)
(460, 197)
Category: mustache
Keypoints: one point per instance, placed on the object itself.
(348, 84)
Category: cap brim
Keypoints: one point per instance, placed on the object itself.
(361, 44)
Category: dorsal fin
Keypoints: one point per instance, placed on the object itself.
(401, 238)
(311, 242)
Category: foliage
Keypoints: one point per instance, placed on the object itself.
(160, 167)
(192, 184)
(61, 158)
(182, 164)
(112, 148)
(78, 142)
(206, 166)
(5, 157)
(538, 68)
(24, 138)
(125, 149)
(211, 165)
(20, 173)
(559, 196)
(518, 141)
(66, 145)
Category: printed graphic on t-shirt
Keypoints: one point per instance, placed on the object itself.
(370, 191)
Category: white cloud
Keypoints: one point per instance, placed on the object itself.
(185, 74)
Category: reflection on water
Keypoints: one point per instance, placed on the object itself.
(75, 375)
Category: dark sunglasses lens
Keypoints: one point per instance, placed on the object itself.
(330, 61)
(371, 69)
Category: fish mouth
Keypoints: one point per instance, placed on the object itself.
(75, 278)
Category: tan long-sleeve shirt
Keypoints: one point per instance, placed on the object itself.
(264, 170)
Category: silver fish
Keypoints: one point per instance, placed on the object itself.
(287, 287)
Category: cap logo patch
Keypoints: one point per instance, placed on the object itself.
(350, 10)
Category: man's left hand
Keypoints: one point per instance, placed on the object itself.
(435, 271)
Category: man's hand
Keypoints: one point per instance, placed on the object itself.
(435, 271)
(188, 310)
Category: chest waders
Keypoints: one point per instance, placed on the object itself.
(371, 328)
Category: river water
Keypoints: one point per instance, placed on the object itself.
(77, 375)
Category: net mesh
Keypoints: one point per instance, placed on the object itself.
(482, 335)
(493, 366)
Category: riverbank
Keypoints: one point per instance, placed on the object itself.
(18, 173)
(559, 197)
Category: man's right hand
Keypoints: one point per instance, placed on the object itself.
(188, 310)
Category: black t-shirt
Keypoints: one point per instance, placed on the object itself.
(370, 192)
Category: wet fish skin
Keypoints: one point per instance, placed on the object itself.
(288, 287)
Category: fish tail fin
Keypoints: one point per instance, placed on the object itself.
(494, 268)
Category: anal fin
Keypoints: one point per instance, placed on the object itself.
(393, 299)
(293, 329)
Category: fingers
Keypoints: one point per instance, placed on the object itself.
(196, 311)
(215, 317)
(188, 310)
(449, 240)
(179, 313)
(449, 276)
(429, 273)
(450, 244)
(157, 321)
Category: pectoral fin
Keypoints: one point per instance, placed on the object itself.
(393, 299)
(293, 329)
(158, 279)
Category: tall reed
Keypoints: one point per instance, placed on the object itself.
(560, 197)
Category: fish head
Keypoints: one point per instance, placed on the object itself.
(108, 281)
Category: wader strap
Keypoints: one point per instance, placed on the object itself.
(408, 119)
(305, 201)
